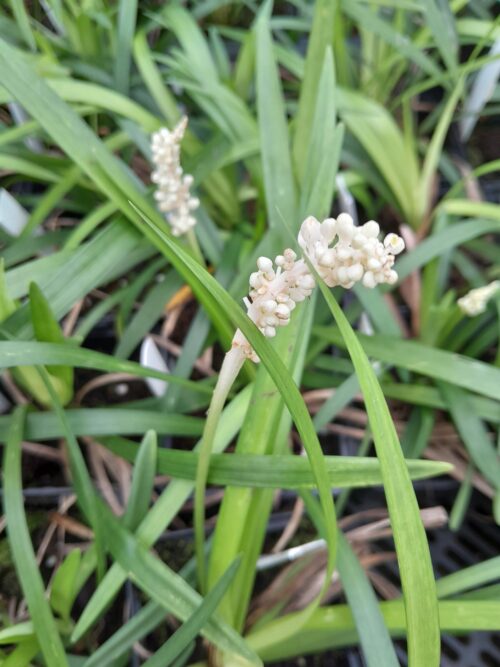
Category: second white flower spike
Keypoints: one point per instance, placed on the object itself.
(173, 192)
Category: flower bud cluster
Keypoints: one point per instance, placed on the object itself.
(275, 290)
(173, 193)
(357, 256)
(475, 302)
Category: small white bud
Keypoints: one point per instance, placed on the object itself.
(255, 280)
(269, 332)
(265, 264)
(358, 241)
(269, 306)
(374, 264)
(371, 229)
(392, 277)
(369, 280)
(282, 312)
(355, 272)
(328, 229)
(394, 243)
(310, 229)
(307, 281)
(344, 253)
(328, 258)
(345, 227)
(342, 275)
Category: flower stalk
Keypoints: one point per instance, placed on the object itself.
(342, 254)
(231, 366)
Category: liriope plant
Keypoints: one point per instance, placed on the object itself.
(296, 182)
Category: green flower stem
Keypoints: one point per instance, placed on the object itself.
(231, 366)
(244, 512)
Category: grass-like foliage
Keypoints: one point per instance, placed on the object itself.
(152, 155)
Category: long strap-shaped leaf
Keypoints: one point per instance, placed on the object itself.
(373, 634)
(273, 471)
(22, 353)
(333, 627)
(438, 364)
(188, 631)
(415, 566)
(274, 141)
(22, 549)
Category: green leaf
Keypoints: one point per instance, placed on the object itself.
(435, 147)
(147, 314)
(471, 209)
(23, 22)
(181, 639)
(105, 421)
(22, 549)
(371, 21)
(152, 78)
(440, 19)
(439, 242)
(16, 353)
(469, 577)
(265, 430)
(82, 482)
(76, 138)
(276, 471)
(462, 500)
(333, 627)
(161, 514)
(473, 433)
(189, 34)
(151, 574)
(274, 139)
(47, 330)
(142, 481)
(22, 655)
(377, 132)
(374, 637)
(127, 11)
(165, 587)
(456, 369)
(17, 633)
(414, 560)
(318, 183)
(418, 394)
(320, 38)
(7, 305)
(63, 590)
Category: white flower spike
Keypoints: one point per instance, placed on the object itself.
(173, 192)
(357, 256)
(475, 302)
